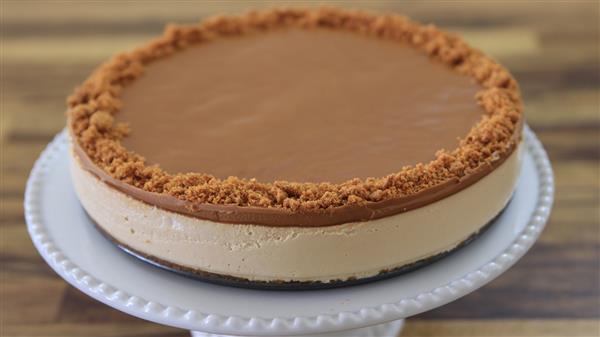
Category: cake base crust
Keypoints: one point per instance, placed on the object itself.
(239, 282)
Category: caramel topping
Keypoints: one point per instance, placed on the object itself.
(365, 117)
(297, 105)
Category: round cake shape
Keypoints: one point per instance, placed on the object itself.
(322, 132)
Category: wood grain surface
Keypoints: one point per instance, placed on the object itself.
(47, 48)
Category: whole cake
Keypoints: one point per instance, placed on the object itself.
(296, 147)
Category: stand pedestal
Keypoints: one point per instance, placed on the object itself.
(71, 246)
(390, 329)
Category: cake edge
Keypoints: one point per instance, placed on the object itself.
(240, 282)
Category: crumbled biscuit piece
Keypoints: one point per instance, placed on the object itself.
(102, 120)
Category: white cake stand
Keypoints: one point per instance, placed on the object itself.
(68, 242)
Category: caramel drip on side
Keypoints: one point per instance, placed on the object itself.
(281, 217)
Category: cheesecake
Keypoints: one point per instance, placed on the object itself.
(296, 148)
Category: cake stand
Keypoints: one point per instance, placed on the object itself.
(68, 242)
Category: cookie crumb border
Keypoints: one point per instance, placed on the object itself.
(93, 105)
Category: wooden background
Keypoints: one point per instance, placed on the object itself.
(552, 48)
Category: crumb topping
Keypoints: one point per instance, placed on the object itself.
(93, 105)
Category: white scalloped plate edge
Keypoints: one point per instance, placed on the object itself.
(194, 320)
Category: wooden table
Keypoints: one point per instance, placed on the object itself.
(551, 47)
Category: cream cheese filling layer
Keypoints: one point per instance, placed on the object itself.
(263, 253)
